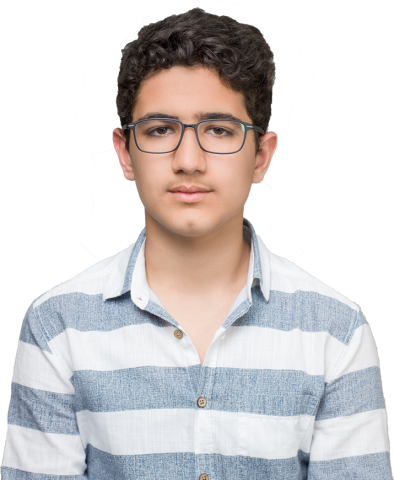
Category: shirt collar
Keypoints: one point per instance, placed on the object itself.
(128, 272)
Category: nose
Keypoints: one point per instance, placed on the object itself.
(189, 156)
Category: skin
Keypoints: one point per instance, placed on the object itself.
(196, 258)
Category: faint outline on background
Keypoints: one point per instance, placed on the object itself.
(110, 150)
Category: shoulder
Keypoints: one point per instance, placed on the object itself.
(287, 277)
(91, 281)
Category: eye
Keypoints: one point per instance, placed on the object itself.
(218, 131)
(161, 131)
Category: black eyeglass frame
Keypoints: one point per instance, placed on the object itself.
(248, 126)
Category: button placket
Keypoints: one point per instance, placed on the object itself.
(201, 402)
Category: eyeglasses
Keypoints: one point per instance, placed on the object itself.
(164, 135)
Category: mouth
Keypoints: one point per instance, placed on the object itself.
(191, 197)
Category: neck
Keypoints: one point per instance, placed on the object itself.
(196, 261)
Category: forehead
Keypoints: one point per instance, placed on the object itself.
(182, 91)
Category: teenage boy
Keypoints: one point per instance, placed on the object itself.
(196, 353)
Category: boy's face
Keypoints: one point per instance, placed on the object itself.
(185, 93)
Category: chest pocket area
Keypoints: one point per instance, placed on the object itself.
(275, 426)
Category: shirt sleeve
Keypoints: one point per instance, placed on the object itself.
(350, 435)
(43, 441)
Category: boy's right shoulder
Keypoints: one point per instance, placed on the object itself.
(91, 280)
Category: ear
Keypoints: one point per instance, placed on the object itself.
(268, 144)
(119, 139)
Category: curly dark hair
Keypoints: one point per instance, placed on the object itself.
(237, 51)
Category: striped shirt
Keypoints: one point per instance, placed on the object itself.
(107, 385)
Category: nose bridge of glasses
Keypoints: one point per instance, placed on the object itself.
(194, 126)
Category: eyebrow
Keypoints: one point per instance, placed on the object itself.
(198, 116)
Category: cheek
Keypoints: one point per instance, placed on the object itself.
(234, 180)
(153, 179)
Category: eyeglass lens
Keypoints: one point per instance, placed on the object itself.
(216, 136)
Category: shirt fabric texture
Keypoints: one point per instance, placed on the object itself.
(102, 388)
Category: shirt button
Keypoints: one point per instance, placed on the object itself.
(201, 402)
(178, 334)
(204, 476)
